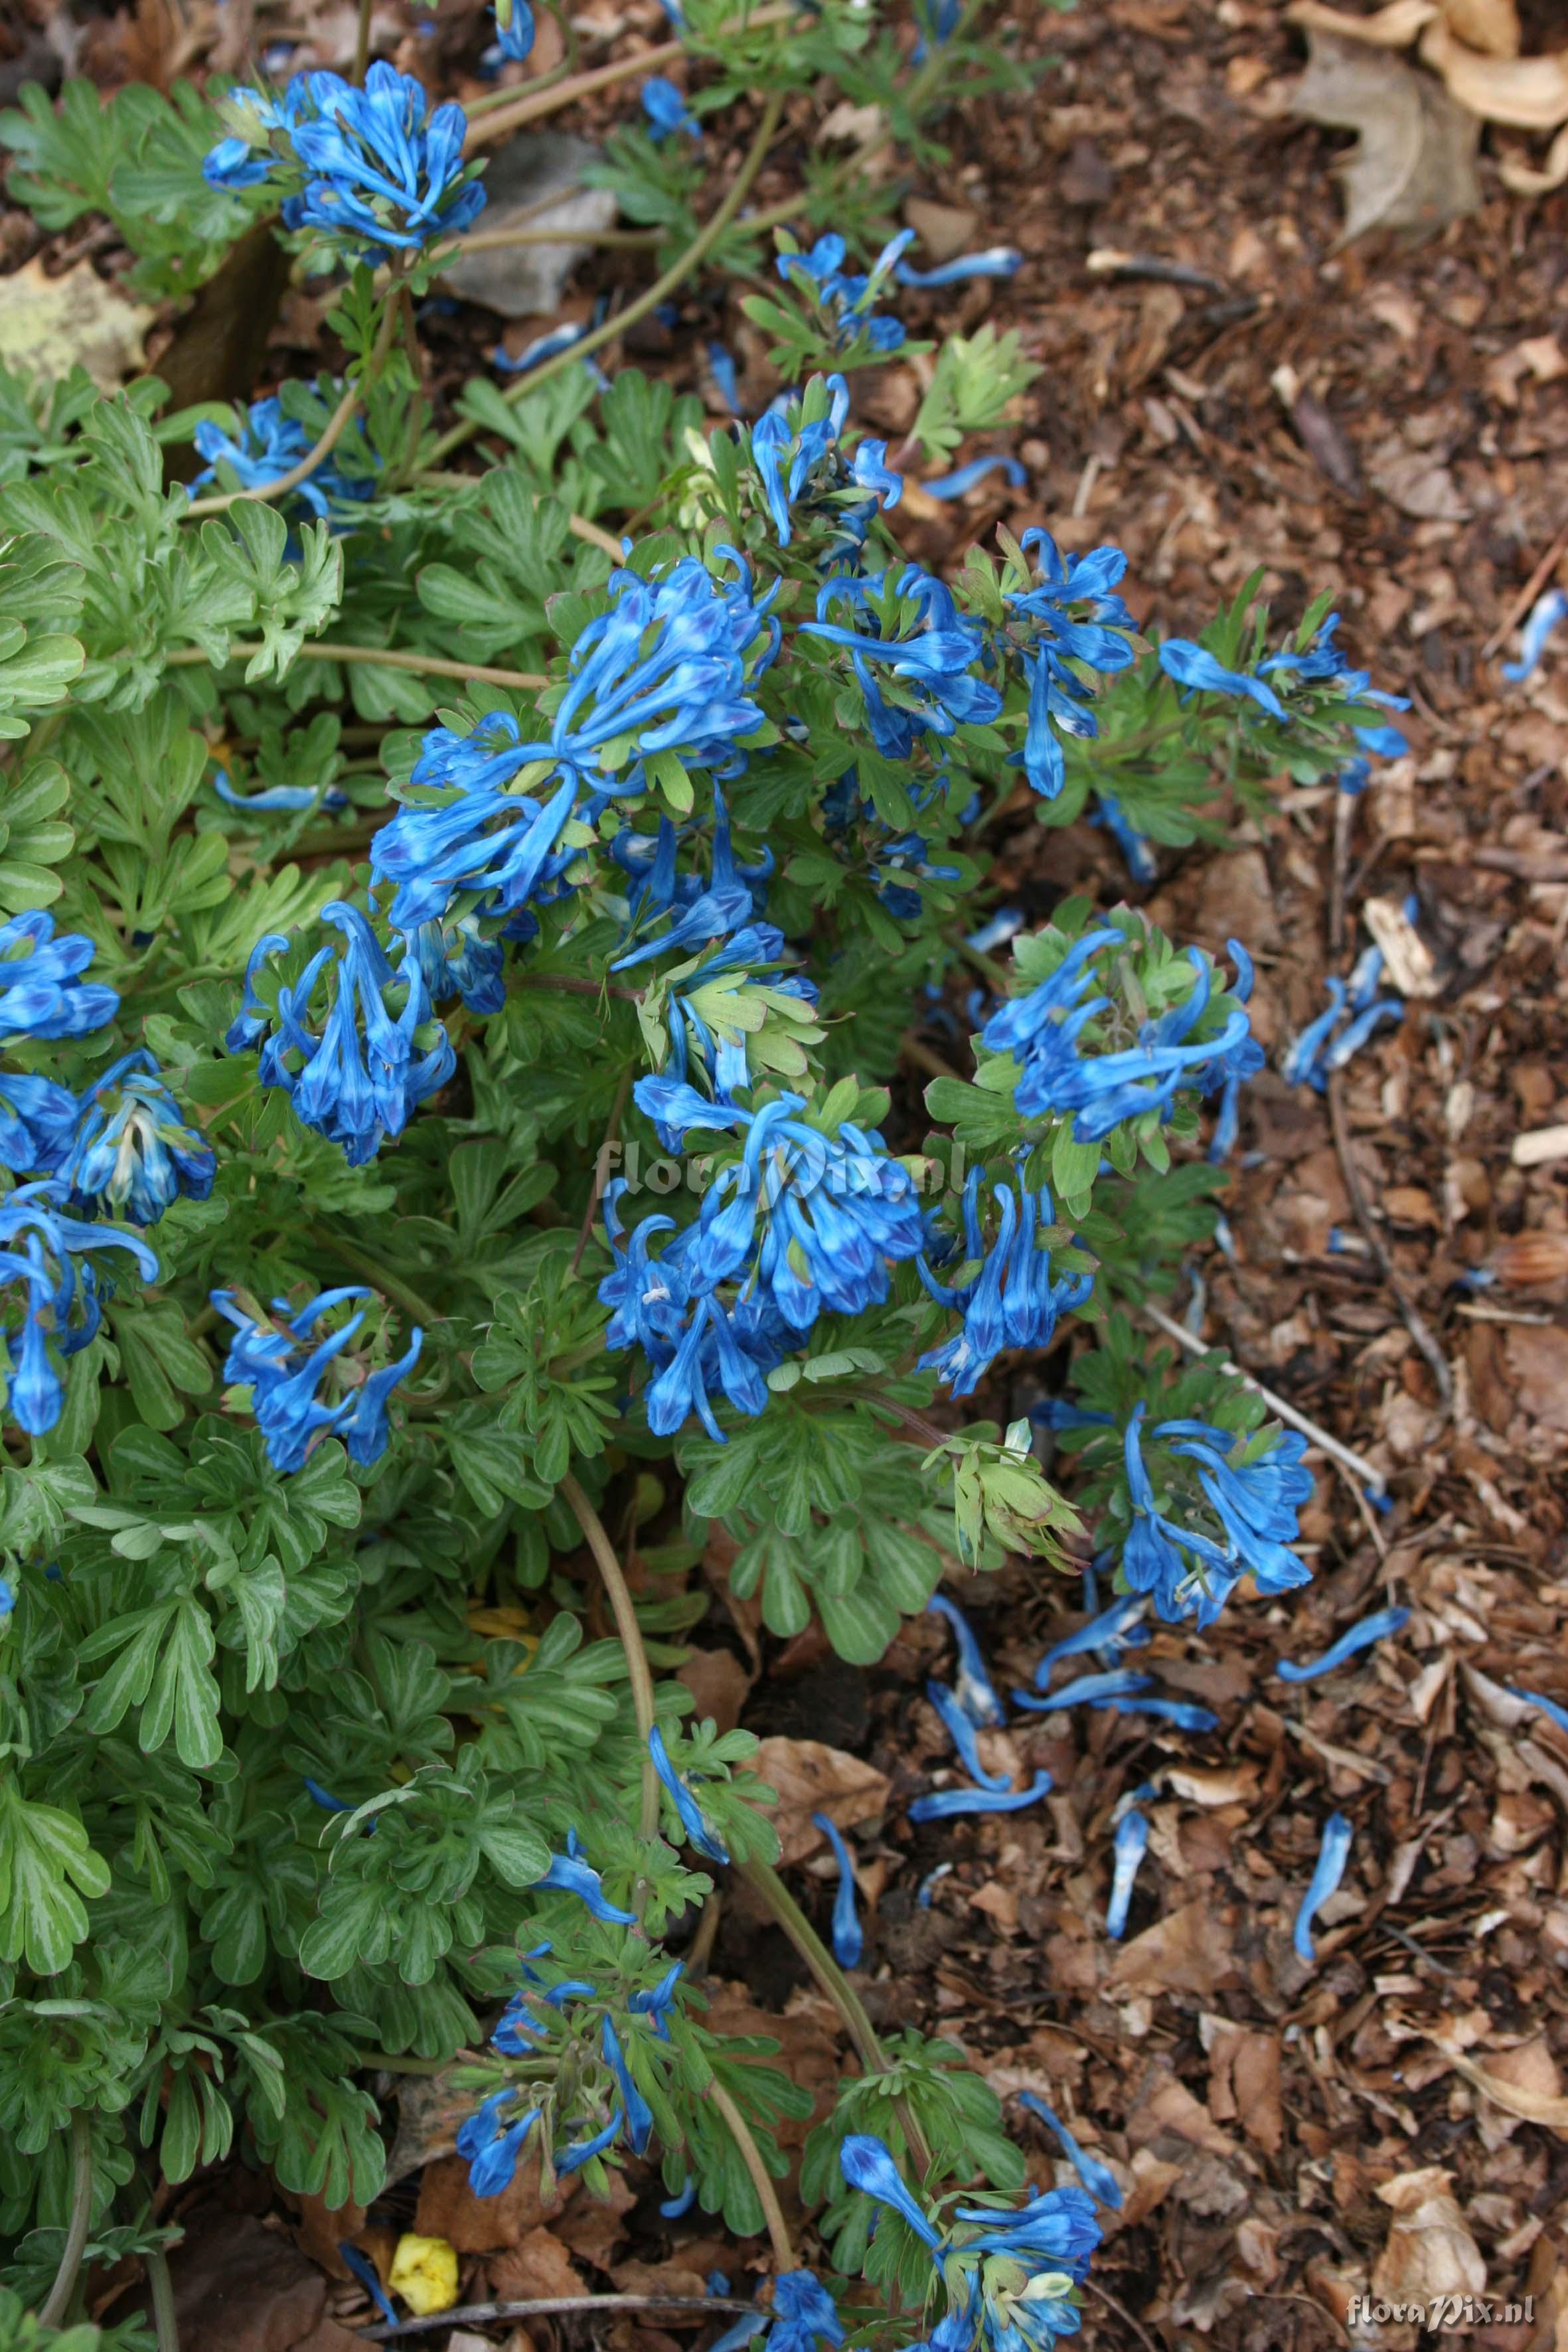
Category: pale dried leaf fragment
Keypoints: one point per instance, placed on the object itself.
(1527, 93)
(1413, 166)
(1412, 968)
(812, 1778)
(1489, 25)
(1392, 28)
(1187, 1951)
(1551, 2111)
(1522, 179)
(50, 325)
(1430, 2251)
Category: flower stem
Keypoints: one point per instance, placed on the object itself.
(767, 1883)
(531, 104)
(424, 665)
(675, 275)
(762, 2179)
(57, 2303)
(496, 240)
(362, 41)
(375, 1274)
(631, 1631)
(165, 2326)
(336, 426)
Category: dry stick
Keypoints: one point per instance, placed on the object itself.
(762, 2179)
(58, 2301)
(1332, 1446)
(1414, 1320)
(532, 104)
(631, 1631)
(1122, 2313)
(362, 41)
(673, 277)
(558, 2305)
(336, 424)
(427, 665)
(1529, 592)
(495, 240)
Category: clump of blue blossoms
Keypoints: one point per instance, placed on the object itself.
(807, 476)
(846, 299)
(1224, 1509)
(288, 1364)
(48, 1271)
(131, 1152)
(269, 444)
(372, 169)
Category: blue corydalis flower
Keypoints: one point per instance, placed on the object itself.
(977, 1692)
(1142, 864)
(868, 2165)
(490, 2147)
(1116, 1628)
(803, 466)
(381, 177)
(1087, 1690)
(543, 348)
(1332, 1855)
(1010, 1301)
(638, 2115)
(685, 2197)
(514, 39)
(572, 2159)
(131, 1152)
(960, 1730)
(665, 109)
(267, 446)
(40, 975)
(848, 1942)
(804, 2314)
(37, 1119)
(1131, 1844)
(1192, 667)
(1096, 2177)
(255, 116)
(369, 2277)
(289, 799)
(360, 1075)
(39, 1244)
(700, 1830)
(1359, 1636)
(726, 376)
(848, 299)
(572, 1875)
(1179, 1711)
(997, 261)
(1191, 1556)
(945, 1803)
(1070, 620)
(284, 1368)
(932, 653)
(1545, 614)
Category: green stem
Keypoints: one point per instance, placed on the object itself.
(337, 425)
(57, 2303)
(375, 1274)
(675, 275)
(382, 656)
(165, 2326)
(362, 41)
(631, 1631)
(387, 2061)
(762, 2179)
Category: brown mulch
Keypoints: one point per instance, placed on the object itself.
(1370, 422)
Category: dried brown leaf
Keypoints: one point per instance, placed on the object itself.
(51, 324)
(812, 1778)
(1392, 28)
(1429, 2252)
(1187, 1951)
(1530, 93)
(1413, 166)
(1489, 25)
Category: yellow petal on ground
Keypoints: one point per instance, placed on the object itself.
(1393, 27)
(425, 2273)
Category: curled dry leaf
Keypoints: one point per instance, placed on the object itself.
(1413, 166)
(1430, 2251)
(1530, 93)
(52, 324)
(812, 1778)
(1489, 25)
(1187, 1951)
(1532, 2106)
(1527, 179)
(1393, 27)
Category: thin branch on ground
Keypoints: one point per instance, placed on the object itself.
(562, 2306)
(1411, 1316)
(1331, 1445)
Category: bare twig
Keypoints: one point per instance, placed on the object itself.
(1527, 593)
(1104, 2295)
(382, 656)
(1410, 1314)
(563, 2307)
(531, 104)
(1332, 1446)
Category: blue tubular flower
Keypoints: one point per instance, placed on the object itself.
(457, 960)
(726, 378)
(804, 2314)
(573, 1876)
(38, 1247)
(667, 110)
(284, 1370)
(384, 180)
(1131, 1844)
(931, 656)
(1011, 1301)
(1046, 1030)
(1545, 614)
(867, 2166)
(1332, 1855)
(959, 485)
(849, 1943)
(673, 2208)
(515, 38)
(976, 1694)
(1116, 1628)
(638, 2115)
(699, 1829)
(324, 1798)
(490, 2147)
(39, 994)
(1549, 1707)
(289, 798)
(362, 1077)
(1240, 1521)
(1199, 672)
(247, 157)
(270, 445)
(1179, 1711)
(961, 1731)
(1134, 845)
(572, 2159)
(369, 2277)
(1356, 1032)
(945, 1802)
(997, 261)
(1096, 2177)
(852, 827)
(1300, 1066)
(1071, 616)
(131, 1152)
(846, 299)
(543, 348)
(804, 468)
(1087, 1690)
(37, 1119)
(1359, 1636)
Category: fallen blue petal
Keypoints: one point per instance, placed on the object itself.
(849, 1943)
(1116, 1628)
(930, 1883)
(1544, 616)
(1549, 1707)
(364, 2270)
(997, 261)
(977, 1692)
(959, 485)
(945, 1802)
(1095, 2177)
(1132, 1843)
(673, 2208)
(1087, 1690)
(1359, 1636)
(1179, 1711)
(1332, 1855)
(962, 1732)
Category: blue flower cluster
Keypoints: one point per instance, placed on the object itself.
(285, 1369)
(803, 1222)
(1006, 2277)
(1319, 667)
(1190, 1544)
(805, 470)
(1066, 1036)
(365, 166)
(1010, 1300)
(129, 1149)
(40, 1246)
(895, 861)
(915, 660)
(846, 299)
(1331, 1041)
(270, 445)
(1071, 621)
